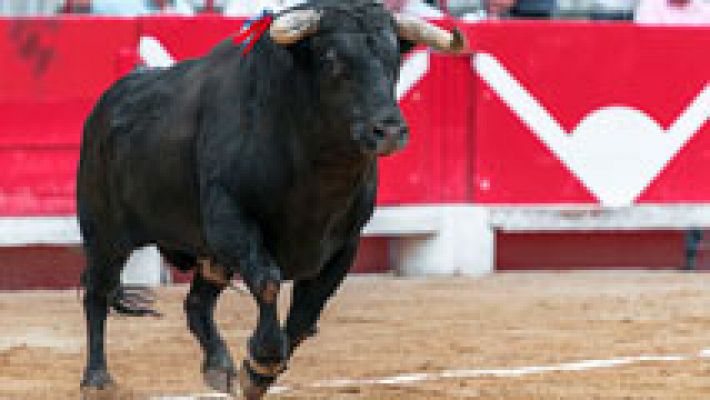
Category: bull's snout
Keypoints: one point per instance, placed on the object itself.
(388, 135)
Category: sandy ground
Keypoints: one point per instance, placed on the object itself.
(383, 326)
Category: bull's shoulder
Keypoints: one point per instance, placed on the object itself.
(148, 84)
(146, 95)
(144, 81)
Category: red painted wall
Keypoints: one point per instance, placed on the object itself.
(466, 145)
(590, 250)
(52, 72)
(574, 71)
(38, 267)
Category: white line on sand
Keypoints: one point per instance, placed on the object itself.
(464, 374)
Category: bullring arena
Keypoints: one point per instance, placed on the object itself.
(596, 335)
(543, 235)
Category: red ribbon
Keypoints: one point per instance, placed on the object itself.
(248, 37)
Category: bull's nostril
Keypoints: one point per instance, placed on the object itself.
(380, 133)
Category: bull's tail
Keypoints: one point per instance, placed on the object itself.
(131, 302)
(134, 302)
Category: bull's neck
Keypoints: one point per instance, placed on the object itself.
(337, 181)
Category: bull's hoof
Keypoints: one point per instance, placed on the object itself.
(98, 385)
(97, 379)
(219, 371)
(220, 380)
(250, 389)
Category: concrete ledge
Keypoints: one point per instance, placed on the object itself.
(427, 239)
(440, 240)
(573, 217)
(437, 240)
(404, 221)
(40, 230)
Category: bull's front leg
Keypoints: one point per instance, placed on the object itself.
(267, 347)
(310, 296)
(236, 240)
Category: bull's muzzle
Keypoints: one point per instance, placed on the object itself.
(383, 134)
(389, 137)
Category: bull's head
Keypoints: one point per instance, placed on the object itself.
(356, 61)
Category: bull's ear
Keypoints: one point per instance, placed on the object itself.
(405, 46)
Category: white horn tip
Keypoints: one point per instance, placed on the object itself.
(294, 25)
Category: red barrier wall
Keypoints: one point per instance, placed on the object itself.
(38, 267)
(590, 250)
(469, 142)
(56, 69)
(187, 37)
(615, 91)
(435, 167)
(52, 71)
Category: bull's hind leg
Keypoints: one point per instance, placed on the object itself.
(101, 278)
(310, 296)
(218, 367)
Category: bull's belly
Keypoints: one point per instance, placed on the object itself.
(304, 259)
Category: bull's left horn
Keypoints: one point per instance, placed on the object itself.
(420, 31)
(294, 25)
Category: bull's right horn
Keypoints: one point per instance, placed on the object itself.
(419, 31)
(293, 26)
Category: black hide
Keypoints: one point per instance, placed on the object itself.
(284, 134)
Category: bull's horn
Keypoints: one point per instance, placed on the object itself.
(293, 26)
(420, 31)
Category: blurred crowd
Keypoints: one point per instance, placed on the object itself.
(643, 11)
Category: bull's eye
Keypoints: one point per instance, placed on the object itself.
(330, 55)
(333, 64)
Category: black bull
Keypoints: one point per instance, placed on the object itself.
(261, 165)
